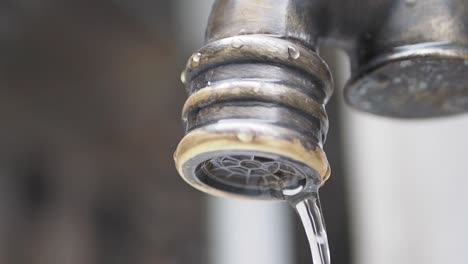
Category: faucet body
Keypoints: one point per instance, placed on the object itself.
(256, 120)
(408, 56)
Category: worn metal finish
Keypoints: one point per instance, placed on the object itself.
(257, 100)
(413, 81)
(406, 55)
(258, 89)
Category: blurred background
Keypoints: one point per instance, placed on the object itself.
(90, 103)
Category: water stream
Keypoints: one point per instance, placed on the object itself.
(305, 200)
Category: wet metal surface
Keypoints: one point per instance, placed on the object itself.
(260, 66)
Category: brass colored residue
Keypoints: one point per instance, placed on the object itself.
(205, 141)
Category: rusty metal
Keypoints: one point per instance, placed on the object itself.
(258, 88)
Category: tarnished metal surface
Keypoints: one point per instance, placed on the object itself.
(409, 59)
(254, 96)
(413, 81)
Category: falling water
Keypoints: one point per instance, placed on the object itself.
(305, 200)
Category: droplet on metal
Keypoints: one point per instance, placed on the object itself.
(196, 59)
(237, 44)
(183, 77)
(246, 136)
(293, 52)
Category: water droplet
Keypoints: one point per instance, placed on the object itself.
(246, 136)
(237, 43)
(397, 80)
(410, 3)
(196, 59)
(183, 77)
(293, 52)
(439, 77)
(208, 83)
(307, 205)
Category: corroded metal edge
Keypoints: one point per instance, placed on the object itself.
(257, 49)
(407, 55)
(438, 50)
(200, 144)
(271, 92)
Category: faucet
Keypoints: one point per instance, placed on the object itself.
(255, 118)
